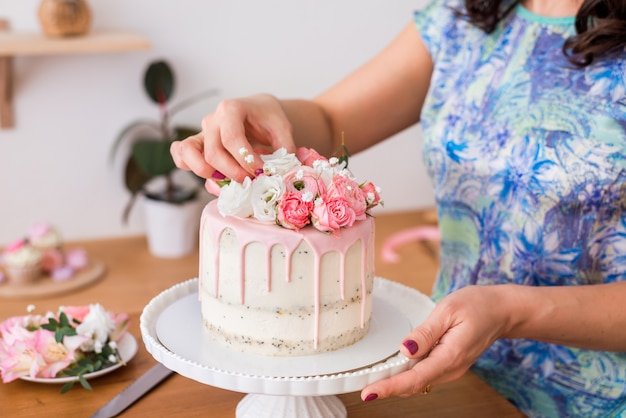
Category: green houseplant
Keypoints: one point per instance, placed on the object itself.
(149, 168)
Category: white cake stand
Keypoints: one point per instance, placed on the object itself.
(303, 387)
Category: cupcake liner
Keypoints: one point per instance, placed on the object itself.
(23, 275)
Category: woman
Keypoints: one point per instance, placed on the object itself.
(523, 107)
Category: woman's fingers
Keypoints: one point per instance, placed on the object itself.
(212, 187)
(233, 138)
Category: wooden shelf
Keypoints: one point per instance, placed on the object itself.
(24, 44)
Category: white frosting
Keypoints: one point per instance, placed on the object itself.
(25, 256)
(274, 291)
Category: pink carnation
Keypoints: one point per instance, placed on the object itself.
(293, 212)
(308, 156)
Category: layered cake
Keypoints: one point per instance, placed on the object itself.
(286, 259)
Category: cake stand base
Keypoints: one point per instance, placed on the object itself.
(282, 387)
(274, 406)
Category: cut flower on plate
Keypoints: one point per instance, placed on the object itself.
(74, 341)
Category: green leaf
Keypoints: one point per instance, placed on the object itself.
(60, 328)
(66, 387)
(84, 383)
(143, 125)
(153, 157)
(159, 82)
(134, 177)
(182, 132)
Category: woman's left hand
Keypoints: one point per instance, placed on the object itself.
(460, 328)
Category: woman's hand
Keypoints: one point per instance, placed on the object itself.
(248, 123)
(460, 328)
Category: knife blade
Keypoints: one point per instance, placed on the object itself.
(134, 391)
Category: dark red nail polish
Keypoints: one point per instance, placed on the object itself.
(370, 397)
(258, 171)
(411, 346)
(218, 175)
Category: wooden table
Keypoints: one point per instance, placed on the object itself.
(134, 277)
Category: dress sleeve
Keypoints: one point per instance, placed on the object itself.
(437, 25)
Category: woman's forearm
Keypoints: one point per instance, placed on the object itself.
(310, 126)
(592, 316)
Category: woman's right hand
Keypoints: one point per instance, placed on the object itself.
(250, 123)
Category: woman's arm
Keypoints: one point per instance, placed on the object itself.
(466, 322)
(592, 317)
(381, 98)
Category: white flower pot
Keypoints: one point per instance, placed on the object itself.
(172, 230)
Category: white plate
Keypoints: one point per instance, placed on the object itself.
(410, 304)
(188, 339)
(127, 348)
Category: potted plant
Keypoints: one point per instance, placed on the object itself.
(172, 208)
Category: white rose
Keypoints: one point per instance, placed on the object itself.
(97, 325)
(234, 199)
(279, 163)
(265, 193)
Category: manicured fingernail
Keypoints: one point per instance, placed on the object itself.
(370, 397)
(411, 346)
(258, 171)
(217, 175)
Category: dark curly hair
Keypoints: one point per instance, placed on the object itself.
(600, 26)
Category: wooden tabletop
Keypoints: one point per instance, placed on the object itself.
(134, 277)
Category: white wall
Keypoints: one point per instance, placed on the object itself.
(54, 163)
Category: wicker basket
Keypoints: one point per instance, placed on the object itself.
(60, 18)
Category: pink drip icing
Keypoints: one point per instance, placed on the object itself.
(200, 264)
(268, 235)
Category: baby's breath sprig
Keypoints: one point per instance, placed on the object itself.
(247, 157)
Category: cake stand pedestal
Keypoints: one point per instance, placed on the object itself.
(304, 386)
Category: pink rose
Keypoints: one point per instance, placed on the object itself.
(293, 212)
(331, 214)
(348, 189)
(302, 180)
(372, 197)
(308, 156)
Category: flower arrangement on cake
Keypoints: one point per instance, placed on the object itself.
(74, 341)
(296, 190)
(40, 253)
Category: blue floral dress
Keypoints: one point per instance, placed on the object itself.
(527, 155)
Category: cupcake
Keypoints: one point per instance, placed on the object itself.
(47, 239)
(22, 262)
(44, 236)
